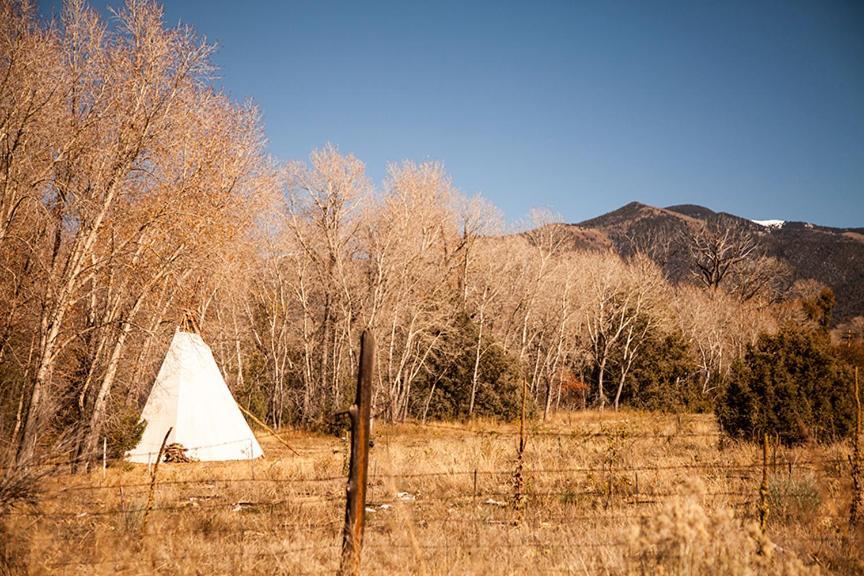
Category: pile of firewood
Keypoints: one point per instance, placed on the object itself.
(176, 453)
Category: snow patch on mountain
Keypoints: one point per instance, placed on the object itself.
(770, 223)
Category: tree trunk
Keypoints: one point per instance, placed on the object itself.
(475, 373)
(601, 393)
(97, 416)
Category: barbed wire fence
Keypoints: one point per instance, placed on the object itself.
(489, 489)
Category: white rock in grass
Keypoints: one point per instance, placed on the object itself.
(242, 505)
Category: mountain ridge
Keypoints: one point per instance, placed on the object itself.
(833, 256)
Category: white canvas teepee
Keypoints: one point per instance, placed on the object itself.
(190, 395)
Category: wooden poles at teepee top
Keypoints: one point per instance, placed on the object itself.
(189, 323)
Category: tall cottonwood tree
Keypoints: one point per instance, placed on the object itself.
(618, 297)
(321, 220)
(423, 253)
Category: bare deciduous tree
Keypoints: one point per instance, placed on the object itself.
(716, 251)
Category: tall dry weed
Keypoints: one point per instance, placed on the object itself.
(685, 539)
(20, 488)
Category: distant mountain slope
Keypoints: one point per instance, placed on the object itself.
(834, 256)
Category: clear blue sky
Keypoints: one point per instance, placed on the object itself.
(752, 107)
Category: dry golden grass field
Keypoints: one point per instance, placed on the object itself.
(624, 493)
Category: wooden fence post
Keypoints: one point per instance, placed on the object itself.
(151, 492)
(355, 506)
(855, 508)
(763, 487)
(519, 473)
(776, 443)
(475, 485)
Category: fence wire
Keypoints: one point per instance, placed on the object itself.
(482, 505)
